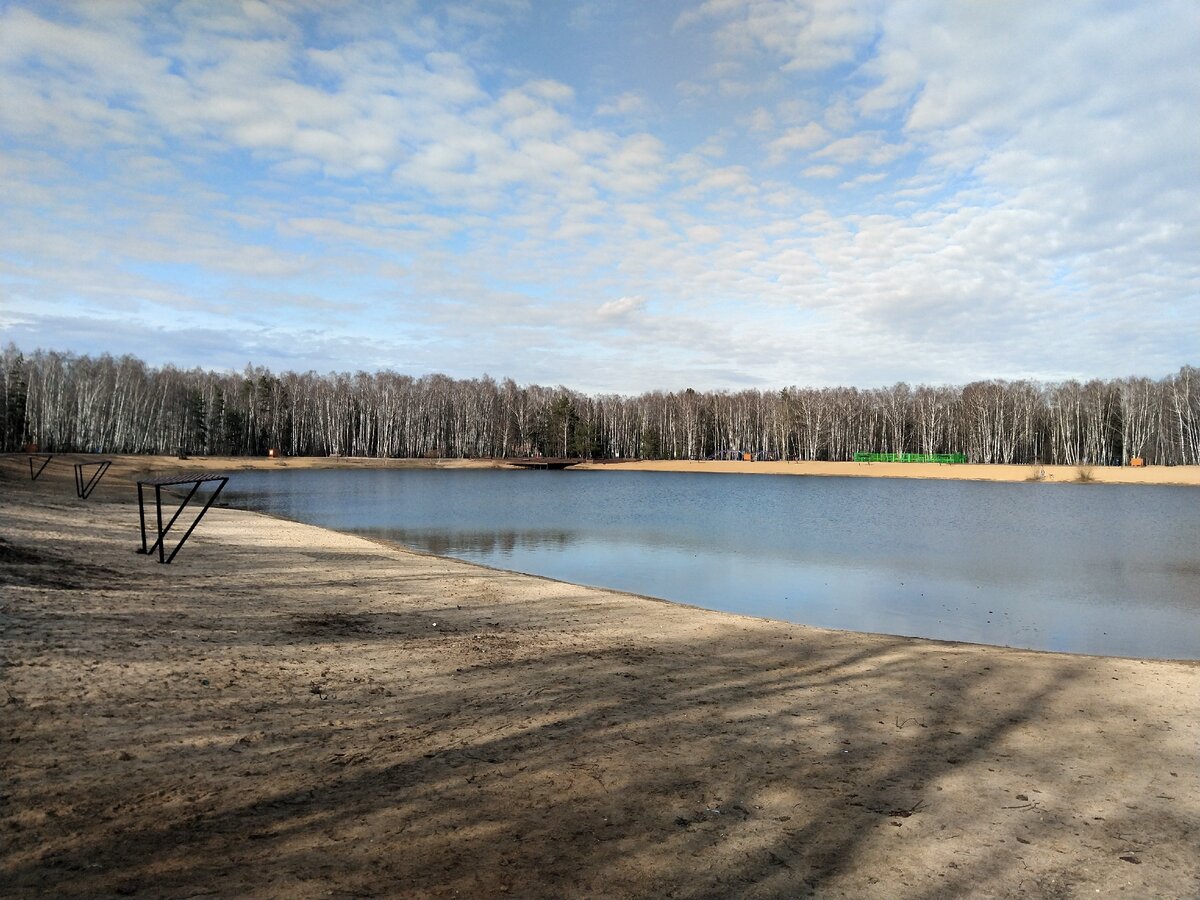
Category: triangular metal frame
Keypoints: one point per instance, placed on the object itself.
(45, 458)
(82, 491)
(158, 483)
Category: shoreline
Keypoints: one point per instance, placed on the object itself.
(287, 711)
(127, 465)
(650, 598)
(1184, 476)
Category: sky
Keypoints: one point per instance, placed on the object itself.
(617, 196)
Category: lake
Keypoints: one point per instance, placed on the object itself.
(1103, 569)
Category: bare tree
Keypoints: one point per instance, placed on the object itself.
(66, 402)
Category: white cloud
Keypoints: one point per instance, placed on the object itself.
(982, 190)
(805, 137)
(865, 147)
(704, 234)
(621, 308)
(760, 120)
(630, 103)
(805, 36)
(821, 171)
(868, 178)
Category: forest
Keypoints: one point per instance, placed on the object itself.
(65, 402)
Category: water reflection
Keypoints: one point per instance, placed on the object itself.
(1096, 569)
(477, 544)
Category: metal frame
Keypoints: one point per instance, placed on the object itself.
(195, 480)
(83, 490)
(544, 462)
(943, 458)
(45, 458)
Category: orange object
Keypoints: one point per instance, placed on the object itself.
(748, 457)
(1137, 461)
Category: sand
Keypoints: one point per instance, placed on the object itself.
(290, 712)
(1188, 476)
(1172, 475)
(127, 466)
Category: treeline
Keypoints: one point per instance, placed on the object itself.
(63, 402)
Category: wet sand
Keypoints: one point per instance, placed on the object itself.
(286, 711)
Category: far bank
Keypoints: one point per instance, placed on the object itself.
(1165, 475)
(1189, 476)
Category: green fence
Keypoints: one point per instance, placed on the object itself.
(911, 457)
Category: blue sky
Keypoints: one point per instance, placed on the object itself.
(613, 196)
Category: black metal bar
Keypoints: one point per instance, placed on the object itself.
(142, 516)
(101, 468)
(45, 458)
(211, 500)
(83, 491)
(158, 506)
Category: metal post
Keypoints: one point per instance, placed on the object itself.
(142, 516)
(158, 508)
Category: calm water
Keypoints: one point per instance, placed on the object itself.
(1081, 568)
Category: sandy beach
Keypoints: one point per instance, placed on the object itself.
(287, 711)
(1173, 475)
(1189, 476)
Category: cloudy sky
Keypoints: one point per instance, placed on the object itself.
(616, 195)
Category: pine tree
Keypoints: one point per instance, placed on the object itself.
(16, 394)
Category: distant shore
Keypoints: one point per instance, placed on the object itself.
(125, 465)
(290, 711)
(1176, 475)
